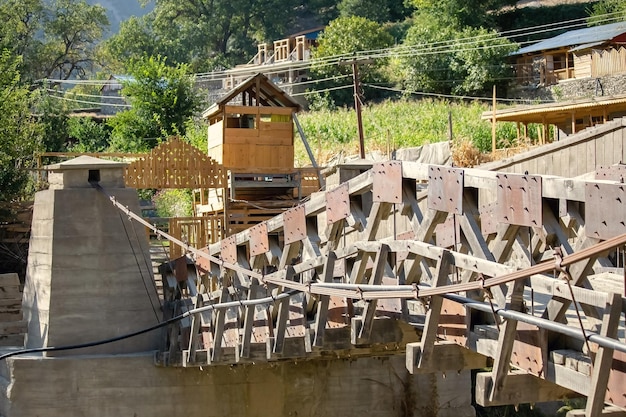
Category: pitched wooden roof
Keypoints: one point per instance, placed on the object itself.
(265, 93)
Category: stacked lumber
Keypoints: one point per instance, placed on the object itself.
(12, 325)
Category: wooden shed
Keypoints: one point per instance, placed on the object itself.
(251, 127)
(589, 52)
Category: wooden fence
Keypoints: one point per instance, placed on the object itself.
(608, 62)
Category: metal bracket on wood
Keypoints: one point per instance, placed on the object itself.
(605, 205)
(259, 241)
(337, 204)
(294, 225)
(519, 199)
(387, 182)
(445, 189)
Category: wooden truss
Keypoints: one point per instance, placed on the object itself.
(369, 268)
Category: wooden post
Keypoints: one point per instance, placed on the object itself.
(357, 107)
(357, 101)
(493, 122)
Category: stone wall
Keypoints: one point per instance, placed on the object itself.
(576, 88)
(131, 385)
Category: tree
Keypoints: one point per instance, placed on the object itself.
(87, 135)
(599, 10)
(20, 135)
(439, 57)
(204, 34)
(163, 99)
(55, 38)
(379, 11)
(475, 13)
(345, 37)
(71, 31)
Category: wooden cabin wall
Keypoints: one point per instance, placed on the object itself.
(608, 62)
(582, 65)
(254, 138)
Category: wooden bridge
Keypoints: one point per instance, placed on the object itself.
(454, 268)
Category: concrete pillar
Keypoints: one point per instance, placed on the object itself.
(89, 275)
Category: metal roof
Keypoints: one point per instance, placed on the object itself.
(554, 113)
(591, 35)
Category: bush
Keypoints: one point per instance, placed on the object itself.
(173, 203)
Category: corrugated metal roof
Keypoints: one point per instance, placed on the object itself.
(573, 38)
(538, 113)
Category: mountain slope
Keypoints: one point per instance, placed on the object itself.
(120, 10)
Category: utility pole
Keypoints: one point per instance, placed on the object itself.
(357, 101)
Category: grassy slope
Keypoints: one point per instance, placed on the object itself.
(397, 124)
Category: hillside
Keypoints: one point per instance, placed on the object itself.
(120, 10)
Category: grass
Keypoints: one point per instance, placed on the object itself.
(398, 124)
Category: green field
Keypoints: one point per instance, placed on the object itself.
(398, 124)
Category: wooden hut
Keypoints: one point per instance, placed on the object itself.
(251, 134)
(251, 127)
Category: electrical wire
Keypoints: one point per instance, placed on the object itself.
(219, 306)
(427, 48)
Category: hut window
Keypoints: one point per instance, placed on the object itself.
(94, 176)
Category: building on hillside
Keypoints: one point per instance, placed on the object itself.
(583, 53)
(111, 92)
(280, 61)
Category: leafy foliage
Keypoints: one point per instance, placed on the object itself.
(473, 13)
(397, 124)
(203, 34)
(56, 39)
(445, 62)
(163, 99)
(173, 203)
(87, 135)
(20, 135)
(346, 36)
(604, 7)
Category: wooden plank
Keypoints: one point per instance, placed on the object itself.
(506, 339)
(450, 357)
(362, 327)
(280, 330)
(604, 357)
(592, 161)
(431, 324)
(323, 303)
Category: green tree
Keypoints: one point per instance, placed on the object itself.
(20, 134)
(71, 32)
(347, 36)
(87, 135)
(438, 57)
(21, 22)
(163, 99)
(205, 34)
(55, 38)
(380, 11)
(475, 13)
(52, 114)
(599, 10)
